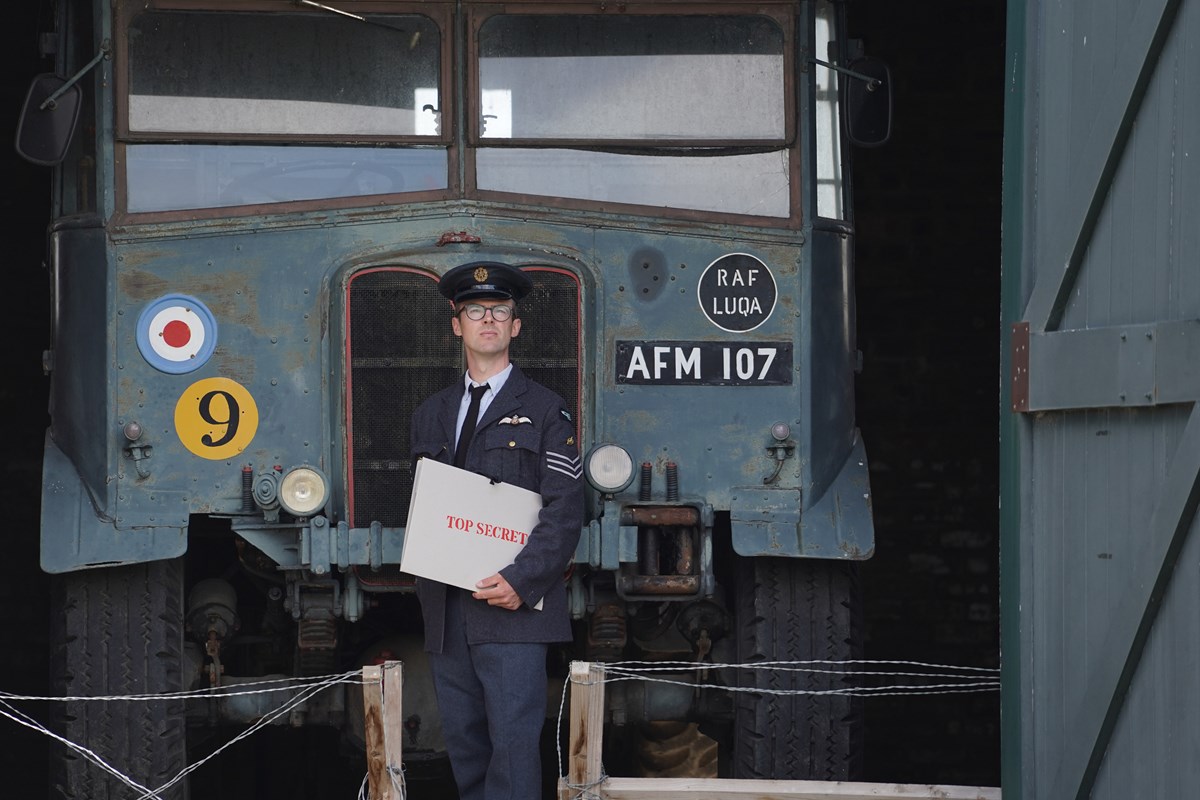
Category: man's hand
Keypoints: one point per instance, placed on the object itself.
(497, 591)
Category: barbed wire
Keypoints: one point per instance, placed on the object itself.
(952, 679)
(232, 690)
(305, 689)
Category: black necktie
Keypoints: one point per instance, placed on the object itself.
(468, 428)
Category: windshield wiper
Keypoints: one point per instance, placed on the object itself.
(340, 12)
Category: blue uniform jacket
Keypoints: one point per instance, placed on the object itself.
(526, 438)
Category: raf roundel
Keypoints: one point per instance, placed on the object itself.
(176, 334)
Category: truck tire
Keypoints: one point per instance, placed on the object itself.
(119, 631)
(791, 609)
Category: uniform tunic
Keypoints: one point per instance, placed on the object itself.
(526, 437)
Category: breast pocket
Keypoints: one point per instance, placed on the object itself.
(511, 454)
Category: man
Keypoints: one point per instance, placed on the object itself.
(488, 648)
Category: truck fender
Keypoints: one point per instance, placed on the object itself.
(75, 535)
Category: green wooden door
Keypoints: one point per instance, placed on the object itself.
(1100, 428)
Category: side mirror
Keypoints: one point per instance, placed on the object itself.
(46, 126)
(868, 102)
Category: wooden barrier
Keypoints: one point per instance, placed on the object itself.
(382, 695)
(585, 777)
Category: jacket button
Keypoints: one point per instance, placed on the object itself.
(512, 444)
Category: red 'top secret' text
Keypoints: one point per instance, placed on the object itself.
(485, 529)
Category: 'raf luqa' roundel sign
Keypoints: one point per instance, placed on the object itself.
(737, 292)
(176, 333)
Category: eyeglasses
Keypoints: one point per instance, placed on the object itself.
(476, 312)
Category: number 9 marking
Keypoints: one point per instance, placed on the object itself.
(216, 418)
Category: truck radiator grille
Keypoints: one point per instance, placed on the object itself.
(400, 349)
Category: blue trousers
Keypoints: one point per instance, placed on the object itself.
(492, 700)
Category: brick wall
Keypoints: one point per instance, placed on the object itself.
(24, 328)
(928, 276)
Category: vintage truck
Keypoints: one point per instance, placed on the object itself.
(252, 204)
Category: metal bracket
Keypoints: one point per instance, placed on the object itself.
(1114, 366)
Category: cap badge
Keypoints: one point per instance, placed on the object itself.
(480, 274)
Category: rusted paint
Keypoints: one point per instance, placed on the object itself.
(661, 584)
(457, 237)
(638, 421)
(137, 286)
(852, 551)
(685, 546)
(661, 515)
(1020, 366)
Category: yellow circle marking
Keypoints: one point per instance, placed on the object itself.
(216, 418)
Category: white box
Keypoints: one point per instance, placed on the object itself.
(462, 527)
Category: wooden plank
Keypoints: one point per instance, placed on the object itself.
(1093, 720)
(393, 726)
(1119, 366)
(372, 691)
(737, 789)
(585, 777)
(584, 769)
(1097, 161)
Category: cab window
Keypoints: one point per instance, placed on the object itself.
(215, 118)
(679, 112)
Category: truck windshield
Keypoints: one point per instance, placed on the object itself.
(199, 73)
(240, 108)
(643, 78)
(222, 78)
(675, 111)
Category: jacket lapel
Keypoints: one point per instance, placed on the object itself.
(448, 416)
(508, 401)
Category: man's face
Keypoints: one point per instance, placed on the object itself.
(485, 336)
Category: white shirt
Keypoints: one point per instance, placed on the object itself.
(494, 383)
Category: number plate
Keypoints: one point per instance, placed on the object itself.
(705, 363)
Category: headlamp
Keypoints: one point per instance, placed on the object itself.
(608, 468)
(303, 491)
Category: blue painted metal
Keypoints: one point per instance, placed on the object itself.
(277, 288)
(73, 533)
(276, 284)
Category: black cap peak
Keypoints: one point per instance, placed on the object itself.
(484, 279)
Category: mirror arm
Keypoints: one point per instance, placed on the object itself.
(872, 83)
(105, 52)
